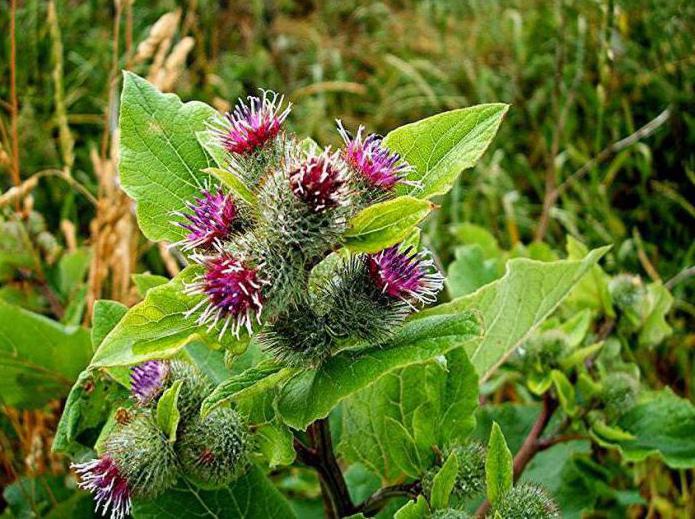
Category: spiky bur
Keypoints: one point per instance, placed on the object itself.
(357, 307)
(470, 479)
(527, 501)
(233, 291)
(619, 394)
(252, 134)
(209, 219)
(544, 351)
(376, 167)
(450, 513)
(138, 462)
(630, 296)
(626, 290)
(299, 337)
(305, 205)
(373, 293)
(148, 380)
(214, 450)
(195, 387)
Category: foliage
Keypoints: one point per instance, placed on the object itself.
(576, 375)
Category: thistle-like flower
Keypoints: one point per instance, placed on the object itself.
(252, 124)
(406, 275)
(377, 166)
(233, 292)
(320, 181)
(102, 478)
(210, 219)
(148, 380)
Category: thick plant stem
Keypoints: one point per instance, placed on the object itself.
(531, 446)
(320, 456)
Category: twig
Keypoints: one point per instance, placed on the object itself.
(561, 438)
(374, 503)
(643, 258)
(681, 276)
(14, 109)
(610, 150)
(18, 192)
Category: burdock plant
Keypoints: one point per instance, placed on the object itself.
(304, 270)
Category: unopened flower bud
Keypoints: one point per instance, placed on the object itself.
(213, 451)
(527, 501)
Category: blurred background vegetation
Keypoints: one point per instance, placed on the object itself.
(598, 144)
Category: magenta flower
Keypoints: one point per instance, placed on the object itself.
(102, 478)
(233, 292)
(374, 163)
(253, 123)
(147, 380)
(320, 181)
(211, 219)
(405, 275)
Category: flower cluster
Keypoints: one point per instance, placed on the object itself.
(139, 460)
(255, 273)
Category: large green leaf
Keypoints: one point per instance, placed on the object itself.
(160, 157)
(156, 327)
(442, 146)
(386, 223)
(470, 271)
(86, 409)
(514, 305)
(251, 497)
(312, 394)
(661, 423)
(39, 358)
(145, 281)
(392, 425)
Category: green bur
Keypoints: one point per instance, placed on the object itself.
(213, 451)
(144, 456)
(527, 502)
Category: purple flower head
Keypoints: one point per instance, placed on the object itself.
(102, 478)
(233, 292)
(210, 219)
(320, 181)
(253, 123)
(406, 275)
(375, 164)
(147, 380)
